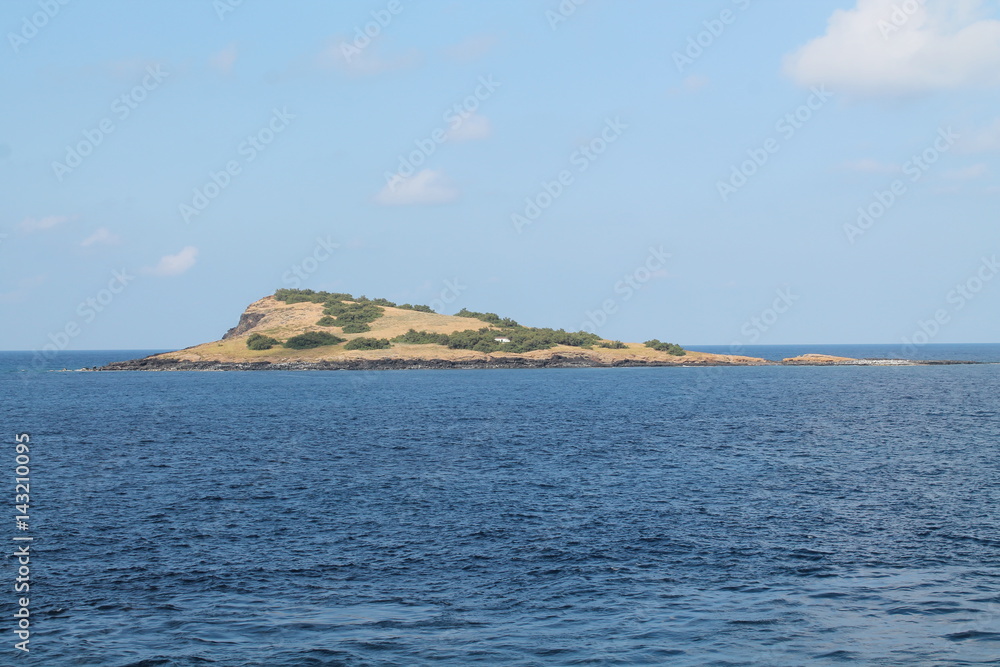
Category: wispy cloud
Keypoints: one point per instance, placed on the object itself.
(689, 85)
(985, 140)
(29, 225)
(175, 265)
(102, 236)
(470, 127)
(870, 166)
(424, 187)
(224, 60)
(342, 55)
(969, 173)
(879, 50)
(22, 289)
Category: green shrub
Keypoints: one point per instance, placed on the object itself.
(300, 296)
(422, 309)
(327, 321)
(526, 339)
(355, 327)
(422, 338)
(367, 344)
(312, 339)
(258, 341)
(490, 318)
(670, 348)
(307, 295)
(383, 302)
(522, 339)
(481, 340)
(613, 344)
(353, 313)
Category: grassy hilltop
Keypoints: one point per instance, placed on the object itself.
(307, 326)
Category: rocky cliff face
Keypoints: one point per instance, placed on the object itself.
(247, 322)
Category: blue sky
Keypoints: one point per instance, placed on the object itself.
(719, 172)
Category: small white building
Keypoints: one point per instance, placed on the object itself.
(501, 339)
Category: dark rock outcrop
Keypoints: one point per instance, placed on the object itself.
(247, 321)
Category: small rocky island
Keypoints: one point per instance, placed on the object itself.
(307, 330)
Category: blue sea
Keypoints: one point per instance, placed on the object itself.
(634, 516)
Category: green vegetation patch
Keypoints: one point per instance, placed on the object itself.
(522, 339)
(422, 338)
(312, 339)
(612, 344)
(260, 342)
(671, 348)
(489, 318)
(339, 309)
(353, 313)
(419, 308)
(367, 344)
(309, 296)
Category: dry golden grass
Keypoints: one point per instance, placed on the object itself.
(813, 358)
(283, 321)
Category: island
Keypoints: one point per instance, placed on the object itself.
(301, 329)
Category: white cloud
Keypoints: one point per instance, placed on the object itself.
(986, 140)
(102, 236)
(879, 50)
(29, 224)
(174, 265)
(224, 60)
(472, 126)
(870, 166)
(969, 173)
(424, 187)
(344, 55)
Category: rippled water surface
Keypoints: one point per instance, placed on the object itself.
(680, 516)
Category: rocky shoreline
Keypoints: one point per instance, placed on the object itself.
(385, 364)
(556, 361)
